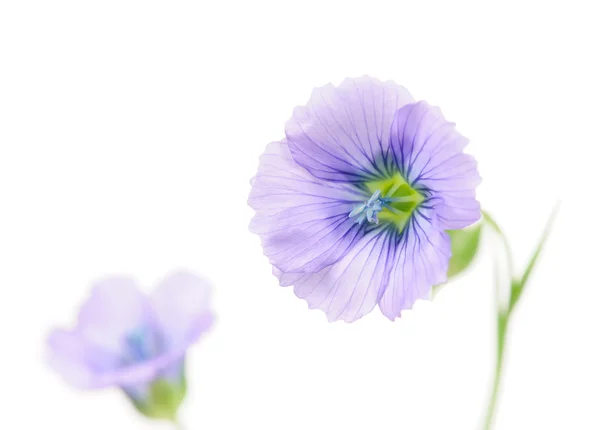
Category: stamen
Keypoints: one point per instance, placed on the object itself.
(392, 202)
(140, 345)
(369, 209)
(137, 346)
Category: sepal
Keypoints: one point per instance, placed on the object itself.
(161, 399)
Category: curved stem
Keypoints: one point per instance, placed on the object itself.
(517, 286)
(507, 249)
(503, 316)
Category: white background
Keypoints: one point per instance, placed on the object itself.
(129, 132)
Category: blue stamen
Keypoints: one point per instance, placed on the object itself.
(369, 209)
(140, 345)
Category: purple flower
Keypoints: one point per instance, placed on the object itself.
(134, 341)
(352, 207)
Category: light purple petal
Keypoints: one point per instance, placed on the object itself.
(172, 372)
(95, 353)
(342, 134)
(115, 308)
(87, 366)
(78, 361)
(287, 279)
(143, 372)
(182, 307)
(99, 351)
(428, 151)
(351, 287)
(302, 221)
(421, 261)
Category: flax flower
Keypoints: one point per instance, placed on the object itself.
(352, 207)
(137, 342)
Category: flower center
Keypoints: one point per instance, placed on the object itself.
(392, 201)
(141, 345)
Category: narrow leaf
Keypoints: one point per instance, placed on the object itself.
(519, 285)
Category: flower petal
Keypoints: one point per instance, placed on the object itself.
(78, 361)
(342, 134)
(302, 221)
(182, 306)
(287, 279)
(115, 308)
(421, 261)
(351, 287)
(428, 151)
(88, 366)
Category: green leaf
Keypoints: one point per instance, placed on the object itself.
(465, 244)
(518, 286)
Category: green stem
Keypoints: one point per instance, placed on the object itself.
(517, 285)
(491, 409)
(501, 323)
(487, 218)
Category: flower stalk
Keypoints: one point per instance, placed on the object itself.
(504, 312)
(502, 325)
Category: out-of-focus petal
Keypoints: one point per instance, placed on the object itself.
(421, 261)
(86, 366)
(182, 307)
(77, 361)
(351, 287)
(342, 134)
(172, 373)
(302, 221)
(115, 308)
(429, 153)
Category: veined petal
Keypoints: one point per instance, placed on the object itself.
(428, 151)
(286, 279)
(342, 134)
(421, 261)
(302, 221)
(350, 288)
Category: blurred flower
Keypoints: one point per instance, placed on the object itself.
(353, 205)
(134, 341)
